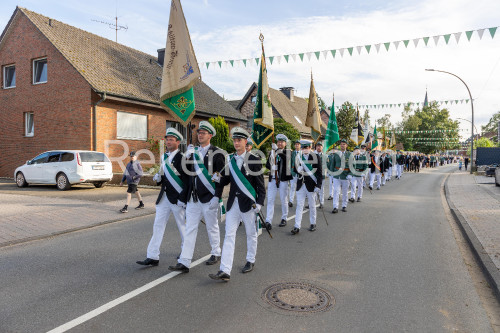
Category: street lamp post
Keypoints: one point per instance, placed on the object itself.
(472, 105)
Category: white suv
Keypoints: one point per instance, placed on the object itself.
(64, 168)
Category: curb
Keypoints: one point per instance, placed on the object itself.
(487, 266)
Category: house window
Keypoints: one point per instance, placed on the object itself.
(29, 127)
(178, 127)
(254, 99)
(40, 71)
(131, 126)
(9, 77)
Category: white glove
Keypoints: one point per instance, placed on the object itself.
(349, 177)
(214, 203)
(274, 167)
(216, 177)
(189, 150)
(157, 178)
(274, 146)
(300, 169)
(257, 208)
(316, 190)
(181, 204)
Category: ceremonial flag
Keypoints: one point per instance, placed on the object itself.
(392, 143)
(426, 102)
(360, 131)
(375, 137)
(367, 131)
(263, 124)
(354, 131)
(313, 119)
(180, 68)
(332, 130)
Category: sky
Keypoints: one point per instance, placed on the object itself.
(224, 30)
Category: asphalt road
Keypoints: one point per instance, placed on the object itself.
(391, 264)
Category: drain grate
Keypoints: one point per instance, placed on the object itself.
(298, 297)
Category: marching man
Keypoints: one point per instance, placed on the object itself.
(293, 181)
(322, 157)
(202, 196)
(375, 169)
(172, 197)
(400, 160)
(246, 197)
(359, 166)
(339, 165)
(279, 165)
(309, 182)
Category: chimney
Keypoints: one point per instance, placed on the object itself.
(50, 22)
(161, 56)
(288, 91)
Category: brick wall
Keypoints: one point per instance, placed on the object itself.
(61, 107)
(248, 107)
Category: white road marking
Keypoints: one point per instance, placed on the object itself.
(122, 299)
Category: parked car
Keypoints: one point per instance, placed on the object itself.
(65, 168)
(490, 170)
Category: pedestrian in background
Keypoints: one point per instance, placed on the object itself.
(133, 173)
(460, 164)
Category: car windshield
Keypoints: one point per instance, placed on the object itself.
(93, 157)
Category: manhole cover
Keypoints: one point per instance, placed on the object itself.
(298, 297)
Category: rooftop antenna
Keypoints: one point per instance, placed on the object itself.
(114, 25)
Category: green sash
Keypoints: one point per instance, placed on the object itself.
(308, 169)
(202, 172)
(172, 175)
(241, 181)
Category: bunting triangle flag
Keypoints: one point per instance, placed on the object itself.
(406, 42)
(271, 59)
(325, 54)
(278, 58)
(245, 62)
(447, 38)
(207, 64)
(359, 48)
(257, 61)
(309, 54)
(333, 53)
(415, 41)
(457, 36)
(294, 57)
(368, 47)
(396, 44)
(426, 40)
(232, 62)
(377, 47)
(316, 54)
(492, 31)
(480, 33)
(301, 55)
(387, 46)
(341, 52)
(350, 50)
(181, 72)
(286, 57)
(436, 39)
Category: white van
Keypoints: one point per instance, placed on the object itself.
(64, 168)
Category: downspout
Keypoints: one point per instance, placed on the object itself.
(94, 121)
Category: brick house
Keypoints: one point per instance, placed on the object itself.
(285, 105)
(65, 88)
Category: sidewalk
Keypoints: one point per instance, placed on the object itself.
(475, 203)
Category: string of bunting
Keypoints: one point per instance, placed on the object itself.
(393, 105)
(424, 131)
(431, 139)
(350, 50)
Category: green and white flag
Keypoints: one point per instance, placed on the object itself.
(375, 138)
(180, 68)
(332, 130)
(263, 123)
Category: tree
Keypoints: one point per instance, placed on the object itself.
(282, 127)
(492, 126)
(482, 142)
(365, 117)
(221, 139)
(346, 118)
(321, 103)
(384, 122)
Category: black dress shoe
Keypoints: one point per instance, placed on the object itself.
(351, 199)
(179, 267)
(248, 267)
(371, 188)
(295, 231)
(306, 207)
(290, 204)
(312, 227)
(359, 199)
(282, 223)
(212, 260)
(335, 210)
(344, 209)
(148, 261)
(220, 276)
(268, 226)
(330, 198)
(320, 206)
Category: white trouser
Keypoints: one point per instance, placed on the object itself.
(389, 174)
(163, 210)
(374, 175)
(271, 197)
(233, 218)
(337, 185)
(331, 186)
(398, 170)
(293, 188)
(302, 194)
(322, 193)
(359, 182)
(354, 182)
(384, 178)
(194, 212)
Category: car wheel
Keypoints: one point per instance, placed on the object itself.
(20, 180)
(62, 182)
(99, 184)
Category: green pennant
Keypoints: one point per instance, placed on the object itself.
(387, 45)
(286, 57)
(245, 62)
(467, 101)
(492, 31)
(220, 64)
(207, 64)
(350, 50)
(447, 38)
(317, 54)
(301, 55)
(232, 63)
(333, 52)
(271, 59)
(368, 47)
(399, 104)
(257, 61)
(446, 102)
(406, 42)
(426, 40)
(469, 34)
(456, 101)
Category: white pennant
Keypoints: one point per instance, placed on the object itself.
(436, 39)
(457, 36)
(359, 49)
(278, 58)
(214, 64)
(377, 46)
(309, 54)
(325, 53)
(293, 57)
(341, 52)
(238, 62)
(480, 33)
(396, 44)
(225, 64)
(415, 41)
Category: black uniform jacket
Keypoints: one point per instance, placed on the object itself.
(257, 182)
(310, 184)
(401, 159)
(214, 156)
(170, 191)
(385, 164)
(284, 165)
(373, 167)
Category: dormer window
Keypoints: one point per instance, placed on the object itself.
(40, 71)
(9, 77)
(254, 99)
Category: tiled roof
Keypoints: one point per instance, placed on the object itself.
(234, 103)
(118, 69)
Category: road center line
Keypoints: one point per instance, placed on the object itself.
(122, 299)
